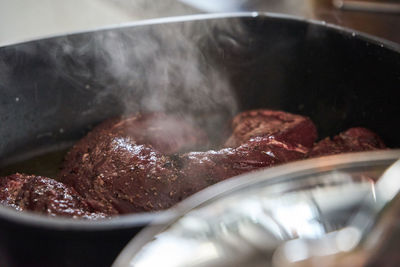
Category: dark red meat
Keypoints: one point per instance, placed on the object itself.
(201, 169)
(166, 133)
(140, 163)
(287, 127)
(43, 195)
(120, 176)
(125, 166)
(352, 140)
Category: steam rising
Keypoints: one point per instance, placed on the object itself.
(175, 67)
(170, 71)
(163, 68)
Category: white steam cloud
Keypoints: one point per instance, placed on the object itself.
(166, 67)
(169, 67)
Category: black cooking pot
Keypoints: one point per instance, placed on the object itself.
(207, 67)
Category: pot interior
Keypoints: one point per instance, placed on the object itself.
(52, 91)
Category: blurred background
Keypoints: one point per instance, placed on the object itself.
(29, 19)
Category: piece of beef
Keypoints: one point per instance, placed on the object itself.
(125, 166)
(122, 166)
(167, 133)
(201, 169)
(119, 176)
(43, 195)
(352, 140)
(286, 127)
(138, 164)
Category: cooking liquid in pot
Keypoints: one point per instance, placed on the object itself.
(47, 164)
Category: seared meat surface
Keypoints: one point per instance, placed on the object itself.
(120, 176)
(128, 165)
(352, 140)
(287, 127)
(43, 195)
(123, 165)
(166, 133)
(201, 169)
(141, 163)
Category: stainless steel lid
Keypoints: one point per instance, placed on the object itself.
(240, 222)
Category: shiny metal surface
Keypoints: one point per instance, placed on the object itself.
(244, 224)
(362, 234)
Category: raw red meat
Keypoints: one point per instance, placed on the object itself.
(287, 127)
(352, 140)
(43, 195)
(127, 165)
(201, 169)
(120, 176)
(141, 163)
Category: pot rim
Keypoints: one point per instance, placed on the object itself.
(197, 17)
